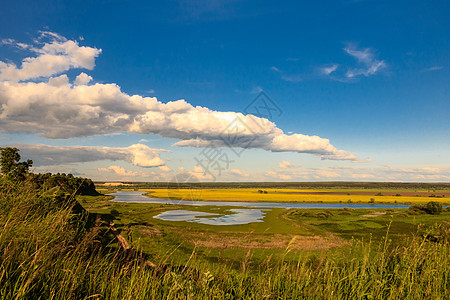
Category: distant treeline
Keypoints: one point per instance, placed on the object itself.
(13, 171)
(287, 185)
(67, 183)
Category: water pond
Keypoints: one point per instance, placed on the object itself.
(232, 217)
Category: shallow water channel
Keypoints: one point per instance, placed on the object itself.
(233, 216)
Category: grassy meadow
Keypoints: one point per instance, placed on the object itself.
(51, 251)
(300, 229)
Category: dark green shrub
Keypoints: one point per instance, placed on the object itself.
(434, 208)
(344, 213)
(115, 213)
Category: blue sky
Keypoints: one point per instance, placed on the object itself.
(362, 88)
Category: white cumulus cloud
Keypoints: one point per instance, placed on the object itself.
(56, 108)
(120, 171)
(83, 79)
(286, 165)
(239, 173)
(55, 56)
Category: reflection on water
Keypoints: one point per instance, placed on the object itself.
(183, 215)
(236, 216)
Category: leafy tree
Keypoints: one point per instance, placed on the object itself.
(11, 165)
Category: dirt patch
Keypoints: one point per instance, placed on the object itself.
(375, 214)
(103, 207)
(260, 241)
(149, 231)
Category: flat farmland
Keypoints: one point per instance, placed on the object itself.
(380, 196)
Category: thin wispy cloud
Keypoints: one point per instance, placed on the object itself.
(330, 69)
(275, 69)
(294, 78)
(368, 64)
(431, 69)
(256, 90)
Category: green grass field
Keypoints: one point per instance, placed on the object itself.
(305, 230)
(49, 251)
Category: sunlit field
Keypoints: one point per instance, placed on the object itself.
(305, 195)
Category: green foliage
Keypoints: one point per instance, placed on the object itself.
(325, 214)
(432, 208)
(11, 165)
(14, 170)
(115, 213)
(68, 183)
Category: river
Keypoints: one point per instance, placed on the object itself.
(253, 211)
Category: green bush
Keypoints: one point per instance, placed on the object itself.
(115, 213)
(345, 213)
(432, 208)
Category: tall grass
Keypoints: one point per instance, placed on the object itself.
(47, 252)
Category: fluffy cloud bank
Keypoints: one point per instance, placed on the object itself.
(45, 155)
(56, 108)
